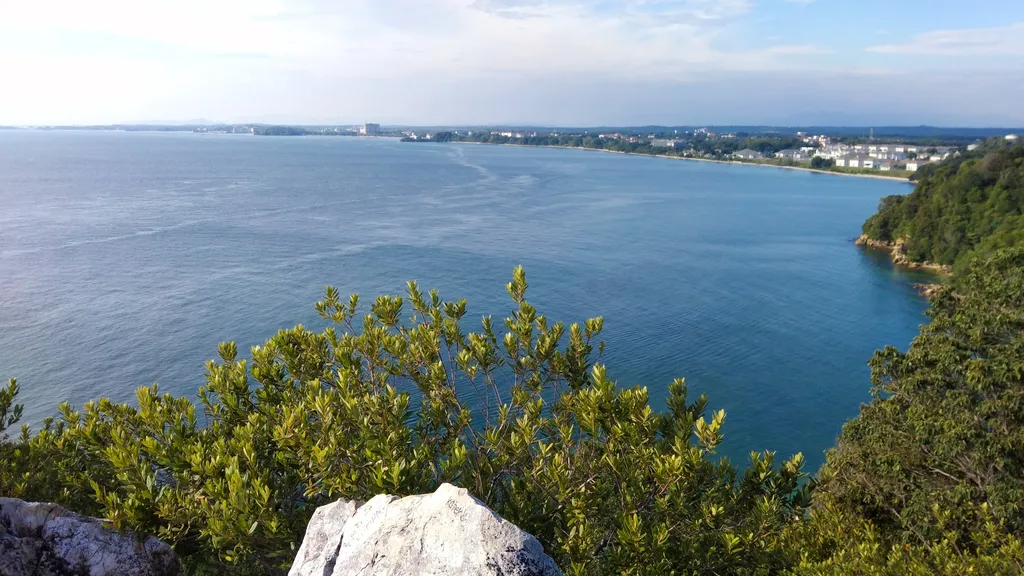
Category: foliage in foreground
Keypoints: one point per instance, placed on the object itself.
(928, 479)
(399, 401)
(935, 463)
(835, 542)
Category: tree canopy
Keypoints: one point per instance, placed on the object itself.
(935, 463)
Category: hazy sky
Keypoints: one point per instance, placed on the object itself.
(551, 62)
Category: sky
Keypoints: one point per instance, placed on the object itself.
(516, 62)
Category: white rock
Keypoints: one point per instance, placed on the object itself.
(319, 548)
(445, 533)
(45, 539)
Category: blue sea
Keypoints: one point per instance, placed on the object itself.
(126, 257)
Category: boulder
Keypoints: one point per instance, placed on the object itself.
(899, 252)
(319, 550)
(448, 532)
(38, 539)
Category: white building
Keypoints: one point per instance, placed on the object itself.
(369, 130)
(834, 151)
(791, 154)
(666, 143)
(888, 151)
(748, 154)
(856, 161)
(1011, 136)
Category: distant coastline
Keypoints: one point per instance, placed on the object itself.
(830, 172)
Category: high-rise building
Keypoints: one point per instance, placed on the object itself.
(370, 130)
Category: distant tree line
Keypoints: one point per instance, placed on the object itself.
(693, 145)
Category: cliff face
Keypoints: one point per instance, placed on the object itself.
(445, 533)
(46, 540)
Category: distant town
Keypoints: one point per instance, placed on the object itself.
(894, 151)
(835, 152)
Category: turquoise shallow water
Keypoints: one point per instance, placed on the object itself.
(125, 258)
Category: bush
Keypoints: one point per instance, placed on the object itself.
(389, 402)
(819, 163)
(835, 543)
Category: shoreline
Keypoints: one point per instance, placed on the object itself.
(897, 253)
(733, 162)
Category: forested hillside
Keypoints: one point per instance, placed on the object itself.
(968, 203)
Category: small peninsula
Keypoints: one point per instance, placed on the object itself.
(968, 205)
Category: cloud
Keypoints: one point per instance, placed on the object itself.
(797, 49)
(389, 38)
(405, 60)
(997, 41)
(661, 11)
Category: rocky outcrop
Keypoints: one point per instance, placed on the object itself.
(38, 539)
(445, 533)
(863, 240)
(898, 252)
(928, 290)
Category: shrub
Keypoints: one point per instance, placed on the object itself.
(399, 401)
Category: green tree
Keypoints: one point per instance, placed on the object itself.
(820, 163)
(10, 413)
